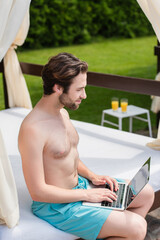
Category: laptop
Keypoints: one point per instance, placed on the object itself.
(127, 191)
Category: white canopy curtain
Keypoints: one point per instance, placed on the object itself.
(151, 8)
(14, 23)
(18, 94)
(12, 13)
(9, 209)
(155, 107)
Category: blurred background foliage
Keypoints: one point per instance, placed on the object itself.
(112, 36)
(65, 22)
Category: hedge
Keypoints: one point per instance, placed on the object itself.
(66, 22)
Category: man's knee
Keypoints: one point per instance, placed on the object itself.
(139, 228)
(149, 195)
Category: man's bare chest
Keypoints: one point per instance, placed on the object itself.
(61, 139)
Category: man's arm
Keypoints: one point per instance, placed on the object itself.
(84, 171)
(31, 144)
(96, 179)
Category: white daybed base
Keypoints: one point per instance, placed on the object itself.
(103, 150)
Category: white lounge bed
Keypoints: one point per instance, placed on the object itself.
(104, 150)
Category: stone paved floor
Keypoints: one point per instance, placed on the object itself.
(153, 220)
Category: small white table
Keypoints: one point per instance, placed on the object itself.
(132, 112)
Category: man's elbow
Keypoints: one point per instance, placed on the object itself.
(37, 196)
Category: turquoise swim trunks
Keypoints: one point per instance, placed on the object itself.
(75, 218)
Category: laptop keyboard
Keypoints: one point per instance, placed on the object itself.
(119, 193)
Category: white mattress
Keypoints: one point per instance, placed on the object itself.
(103, 150)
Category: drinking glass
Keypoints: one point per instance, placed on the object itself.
(115, 103)
(124, 104)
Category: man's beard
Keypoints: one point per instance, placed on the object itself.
(67, 102)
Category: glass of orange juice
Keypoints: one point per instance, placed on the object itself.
(115, 103)
(124, 104)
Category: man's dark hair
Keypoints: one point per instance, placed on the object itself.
(61, 69)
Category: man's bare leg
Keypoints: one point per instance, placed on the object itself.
(129, 224)
(124, 225)
(143, 201)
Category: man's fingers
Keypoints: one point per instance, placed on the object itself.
(110, 183)
(115, 185)
(111, 195)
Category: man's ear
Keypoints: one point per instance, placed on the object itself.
(58, 89)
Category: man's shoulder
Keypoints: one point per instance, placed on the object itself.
(31, 132)
(64, 112)
(40, 122)
(27, 126)
(30, 123)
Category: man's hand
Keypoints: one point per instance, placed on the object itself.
(101, 180)
(99, 195)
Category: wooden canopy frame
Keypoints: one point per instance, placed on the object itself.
(123, 83)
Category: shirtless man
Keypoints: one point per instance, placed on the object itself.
(54, 174)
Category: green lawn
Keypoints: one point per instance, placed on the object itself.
(130, 57)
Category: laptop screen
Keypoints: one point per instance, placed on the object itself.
(140, 179)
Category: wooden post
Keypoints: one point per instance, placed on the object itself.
(157, 52)
(4, 87)
(158, 58)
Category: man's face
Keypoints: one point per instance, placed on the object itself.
(76, 92)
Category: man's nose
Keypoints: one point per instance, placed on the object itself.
(84, 95)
